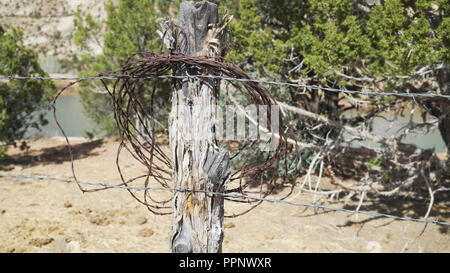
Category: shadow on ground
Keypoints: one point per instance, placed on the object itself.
(51, 155)
(406, 207)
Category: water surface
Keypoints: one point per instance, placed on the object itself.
(70, 115)
(72, 118)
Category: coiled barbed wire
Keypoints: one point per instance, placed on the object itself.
(125, 91)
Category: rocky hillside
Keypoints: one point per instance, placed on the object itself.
(48, 25)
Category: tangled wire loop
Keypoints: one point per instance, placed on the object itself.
(126, 94)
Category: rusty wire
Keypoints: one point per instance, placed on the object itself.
(125, 92)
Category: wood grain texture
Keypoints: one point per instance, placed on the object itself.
(198, 163)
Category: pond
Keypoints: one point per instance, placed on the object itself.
(421, 138)
(71, 116)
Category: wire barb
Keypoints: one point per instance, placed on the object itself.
(429, 94)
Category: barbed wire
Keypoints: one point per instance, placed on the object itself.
(231, 195)
(304, 86)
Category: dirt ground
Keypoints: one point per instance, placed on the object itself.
(46, 216)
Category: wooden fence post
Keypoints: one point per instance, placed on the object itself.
(198, 163)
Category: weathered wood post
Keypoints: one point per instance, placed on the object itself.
(198, 163)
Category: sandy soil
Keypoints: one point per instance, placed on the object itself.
(45, 216)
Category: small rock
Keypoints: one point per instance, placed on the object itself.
(2, 211)
(162, 139)
(40, 242)
(52, 229)
(99, 220)
(67, 204)
(86, 212)
(141, 220)
(229, 225)
(15, 250)
(145, 232)
(10, 250)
